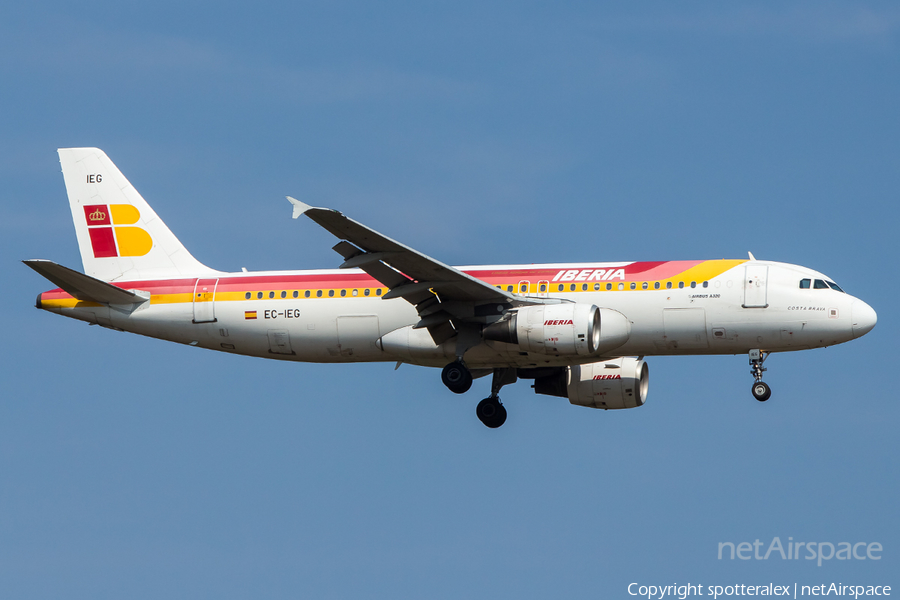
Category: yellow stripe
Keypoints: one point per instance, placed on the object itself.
(706, 270)
(171, 298)
(67, 303)
(703, 272)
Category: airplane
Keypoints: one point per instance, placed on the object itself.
(580, 331)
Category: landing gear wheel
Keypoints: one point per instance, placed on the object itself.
(491, 412)
(761, 391)
(457, 377)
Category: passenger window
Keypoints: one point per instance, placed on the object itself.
(331, 293)
(543, 287)
(259, 295)
(355, 292)
(633, 285)
(247, 295)
(705, 284)
(509, 288)
(818, 284)
(680, 285)
(608, 286)
(366, 292)
(693, 284)
(343, 293)
(319, 294)
(668, 285)
(596, 287)
(523, 288)
(271, 294)
(656, 285)
(583, 287)
(561, 287)
(572, 287)
(378, 292)
(645, 285)
(804, 284)
(284, 294)
(295, 294)
(621, 286)
(306, 294)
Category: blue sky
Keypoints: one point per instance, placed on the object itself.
(477, 133)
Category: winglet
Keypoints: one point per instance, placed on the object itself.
(299, 207)
(750, 253)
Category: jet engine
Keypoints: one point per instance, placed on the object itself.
(562, 329)
(618, 383)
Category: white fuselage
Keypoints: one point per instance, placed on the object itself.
(728, 313)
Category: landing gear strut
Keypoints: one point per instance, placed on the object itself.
(456, 377)
(761, 391)
(490, 411)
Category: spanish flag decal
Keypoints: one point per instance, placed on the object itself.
(249, 315)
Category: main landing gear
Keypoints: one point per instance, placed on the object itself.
(761, 391)
(458, 379)
(490, 411)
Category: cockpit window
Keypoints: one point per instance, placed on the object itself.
(820, 285)
(835, 287)
(804, 284)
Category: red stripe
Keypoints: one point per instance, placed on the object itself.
(265, 283)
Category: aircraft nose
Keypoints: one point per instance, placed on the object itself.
(863, 318)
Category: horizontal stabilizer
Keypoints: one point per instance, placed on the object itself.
(81, 286)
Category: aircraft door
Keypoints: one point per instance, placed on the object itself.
(523, 287)
(755, 277)
(543, 289)
(204, 300)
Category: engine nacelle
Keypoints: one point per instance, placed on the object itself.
(619, 383)
(562, 329)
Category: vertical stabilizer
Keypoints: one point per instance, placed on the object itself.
(119, 235)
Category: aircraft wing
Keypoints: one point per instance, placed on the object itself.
(439, 292)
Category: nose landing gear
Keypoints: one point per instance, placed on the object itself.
(761, 391)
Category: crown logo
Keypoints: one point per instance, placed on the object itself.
(97, 215)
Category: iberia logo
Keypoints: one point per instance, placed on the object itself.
(110, 231)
